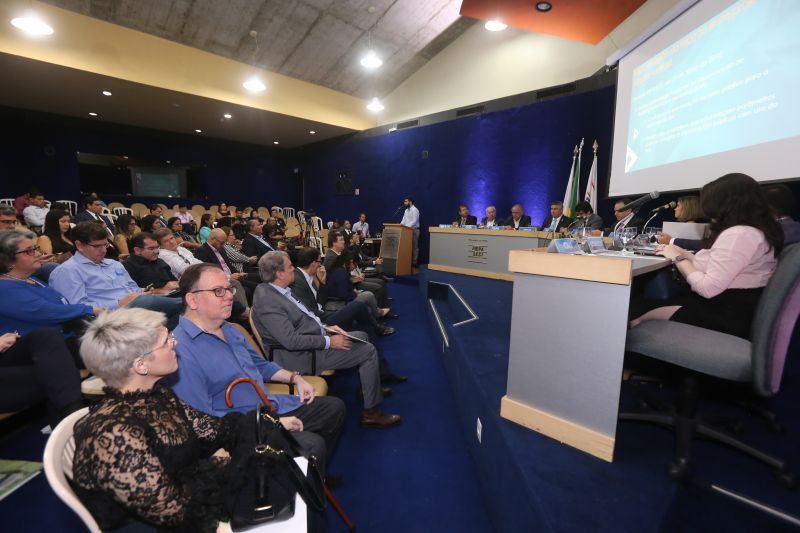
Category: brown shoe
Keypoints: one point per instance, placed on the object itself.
(375, 418)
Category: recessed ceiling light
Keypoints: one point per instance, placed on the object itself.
(198, 131)
(32, 26)
(168, 161)
(92, 114)
(543, 7)
(495, 25)
(227, 115)
(124, 157)
(275, 142)
(371, 60)
(254, 85)
(106, 93)
(312, 132)
(375, 105)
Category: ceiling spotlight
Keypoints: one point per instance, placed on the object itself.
(495, 25)
(312, 132)
(227, 115)
(32, 26)
(168, 161)
(371, 60)
(92, 114)
(254, 85)
(198, 131)
(375, 105)
(106, 93)
(543, 7)
(275, 142)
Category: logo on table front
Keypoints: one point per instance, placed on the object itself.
(477, 251)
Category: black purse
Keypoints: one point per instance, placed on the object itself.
(264, 476)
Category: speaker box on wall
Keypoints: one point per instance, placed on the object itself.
(344, 184)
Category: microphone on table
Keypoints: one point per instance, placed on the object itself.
(640, 201)
(670, 205)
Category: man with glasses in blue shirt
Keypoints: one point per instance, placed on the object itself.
(91, 279)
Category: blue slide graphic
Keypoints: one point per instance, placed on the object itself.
(730, 83)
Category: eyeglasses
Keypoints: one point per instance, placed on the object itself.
(219, 292)
(33, 250)
(170, 343)
(98, 246)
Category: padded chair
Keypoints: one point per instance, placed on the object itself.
(319, 384)
(703, 353)
(58, 455)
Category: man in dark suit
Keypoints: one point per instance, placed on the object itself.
(557, 219)
(254, 242)
(213, 251)
(281, 319)
(93, 211)
(464, 218)
(518, 218)
(588, 218)
(620, 214)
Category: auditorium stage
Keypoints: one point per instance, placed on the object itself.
(533, 483)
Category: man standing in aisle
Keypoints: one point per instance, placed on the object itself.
(411, 220)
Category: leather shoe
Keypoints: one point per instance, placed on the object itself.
(393, 378)
(385, 390)
(375, 418)
(385, 330)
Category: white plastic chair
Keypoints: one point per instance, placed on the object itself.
(123, 210)
(7, 201)
(47, 204)
(73, 206)
(112, 218)
(316, 223)
(275, 207)
(288, 212)
(58, 456)
(105, 211)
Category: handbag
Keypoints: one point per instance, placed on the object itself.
(264, 476)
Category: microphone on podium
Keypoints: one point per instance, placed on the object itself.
(670, 205)
(397, 210)
(640, 201)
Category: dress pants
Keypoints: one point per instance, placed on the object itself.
(170, 306)
(355, 316)
(322, 424)
(39, 367)
(361, 354)
(377, 287)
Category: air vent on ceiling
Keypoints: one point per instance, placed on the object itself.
(555, 91)
(470, 111)
(409, 124)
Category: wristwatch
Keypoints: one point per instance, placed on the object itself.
(294, 375)
(679, 258)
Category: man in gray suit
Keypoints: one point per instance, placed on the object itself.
(281, 319)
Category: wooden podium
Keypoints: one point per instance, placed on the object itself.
(396, 249)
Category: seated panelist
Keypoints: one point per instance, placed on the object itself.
(518, 218)
(557, 219)
(464, 218)
(490, 220)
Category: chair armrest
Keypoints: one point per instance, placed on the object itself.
(273, 347)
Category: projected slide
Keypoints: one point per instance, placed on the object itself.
(717, 89)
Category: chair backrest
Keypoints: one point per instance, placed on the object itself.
(112, 205)
(123, 210)
(112, 218)
(7, 201)
(288, 212)
(72, 205)
(105, 211)
(58, 455)
(257, 336)
(257, 346)
(280, 209)
(774, 322)
(316, 223)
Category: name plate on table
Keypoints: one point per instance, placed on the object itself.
(564, 246)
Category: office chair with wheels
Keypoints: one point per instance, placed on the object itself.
(707, 354)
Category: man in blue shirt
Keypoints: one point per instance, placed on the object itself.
(91, 279)
(212, 353)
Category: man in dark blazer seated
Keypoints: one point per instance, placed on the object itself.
(213, 251)
(518, 218)
(588, 218)
(464, 218)
(620, 214)
(557, 219)
(93, 211)
(281, 319)
(254, 242)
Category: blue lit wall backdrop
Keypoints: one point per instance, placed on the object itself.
(522, 154)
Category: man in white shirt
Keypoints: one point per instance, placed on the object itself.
(411, 220)
(177, 257)
(362, 227)
(35, 213)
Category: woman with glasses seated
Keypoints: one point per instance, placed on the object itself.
(142, 456)
(35, 362)
(175, 225)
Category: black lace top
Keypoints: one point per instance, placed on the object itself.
(146, 456)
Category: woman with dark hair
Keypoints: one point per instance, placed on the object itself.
(175, 225)
(206, 225)
(223, 211)
(126, 228)
(55, 236)
(729, 275)
(150, 223)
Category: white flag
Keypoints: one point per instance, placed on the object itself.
(571, 174)
(591, 185)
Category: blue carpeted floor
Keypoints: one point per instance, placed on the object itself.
(417, 477)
